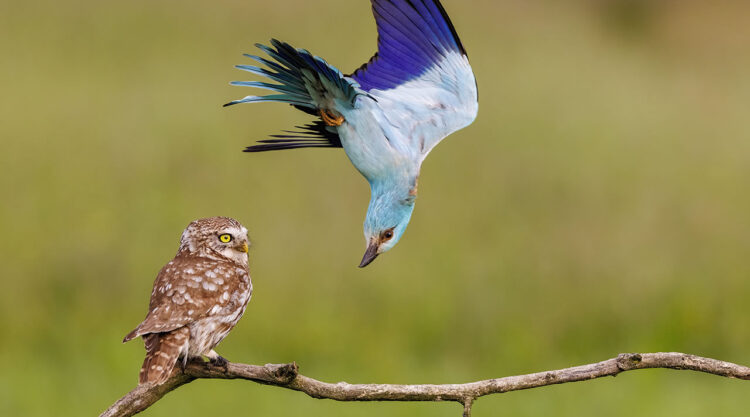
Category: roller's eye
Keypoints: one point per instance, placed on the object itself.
(225, 238)
(388, 234)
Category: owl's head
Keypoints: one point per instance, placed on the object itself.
(216, 237)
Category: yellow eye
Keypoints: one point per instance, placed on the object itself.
(225, 238)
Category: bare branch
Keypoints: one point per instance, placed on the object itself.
(287, 376)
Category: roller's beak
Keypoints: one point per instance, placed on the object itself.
(370, 254)
(242, 248)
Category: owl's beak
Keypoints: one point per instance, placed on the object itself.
(370, 254)
(242, 248)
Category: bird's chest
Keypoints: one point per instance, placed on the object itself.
(208, 331)
(374, 146)
(205, 334)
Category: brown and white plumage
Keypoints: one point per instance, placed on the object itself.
(198, 297)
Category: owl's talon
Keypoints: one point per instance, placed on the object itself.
(219, 361)
(185, 361)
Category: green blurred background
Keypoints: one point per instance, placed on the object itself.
(598, 205)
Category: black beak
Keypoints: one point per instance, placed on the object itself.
(370, 255)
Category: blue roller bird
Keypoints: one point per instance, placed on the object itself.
(387, 115)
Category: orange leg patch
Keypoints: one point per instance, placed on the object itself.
(414, 189)
(330, 118)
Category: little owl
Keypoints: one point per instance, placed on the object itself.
(198, 297)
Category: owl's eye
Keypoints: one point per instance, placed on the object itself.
(225, 238)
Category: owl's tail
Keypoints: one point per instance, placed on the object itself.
(162, 352)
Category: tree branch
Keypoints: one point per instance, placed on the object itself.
(287, 376)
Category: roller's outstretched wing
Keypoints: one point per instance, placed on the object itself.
(421, 74)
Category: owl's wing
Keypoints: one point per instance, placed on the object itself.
(187, 289)
(420, 75)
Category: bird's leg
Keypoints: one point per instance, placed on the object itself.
(217, 360)
(330, 118)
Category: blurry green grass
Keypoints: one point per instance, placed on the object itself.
(598, 205)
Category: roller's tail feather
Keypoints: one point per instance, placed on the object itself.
(306, 82)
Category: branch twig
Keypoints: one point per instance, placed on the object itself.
(287, 376)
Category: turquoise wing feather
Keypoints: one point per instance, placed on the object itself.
(308, 83)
